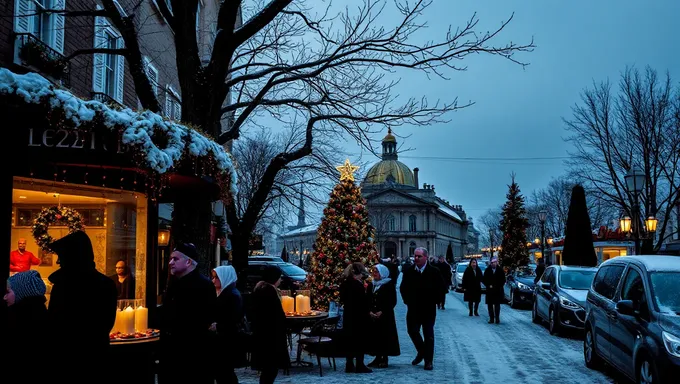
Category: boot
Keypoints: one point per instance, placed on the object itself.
(361, 367)
(349, 365)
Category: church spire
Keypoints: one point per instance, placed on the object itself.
(389, 145)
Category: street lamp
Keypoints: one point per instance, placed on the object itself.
(542, 217)
(635, 184)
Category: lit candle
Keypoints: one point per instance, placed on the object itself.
(128, 321)
(141, 319)
(306, 304)
(116, 324)
(288, 304)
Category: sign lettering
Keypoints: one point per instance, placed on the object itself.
(73, 139)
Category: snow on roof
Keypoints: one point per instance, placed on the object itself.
(658, 263)
(302, 230)
(448, 211)
(137, 128)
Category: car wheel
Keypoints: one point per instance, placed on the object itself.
(534, 314)
(553, 322)
(590, 355)
(646, 372)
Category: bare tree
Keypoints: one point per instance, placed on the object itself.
(328, 77)
(635, 127)
(491, 227)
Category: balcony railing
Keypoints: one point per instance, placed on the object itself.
(32, 52)
(106, 99)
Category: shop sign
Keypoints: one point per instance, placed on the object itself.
(106, 141)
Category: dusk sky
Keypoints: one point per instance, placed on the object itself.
(518, 112)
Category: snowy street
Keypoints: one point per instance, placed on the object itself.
(468, 350)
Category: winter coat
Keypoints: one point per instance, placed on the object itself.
(445, 270)
(81, 312)
(28, 332)
(270, 334)
(186, 315)
(472, 284)
(356, 318)
(422, 292)
(384, 339)
(229, 351)
(494, 285)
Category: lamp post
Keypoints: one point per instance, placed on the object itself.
(491, 243)
(542, 217)
(635, 183)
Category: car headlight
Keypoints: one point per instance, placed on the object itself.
(566, 303)
(523, 286)
(672, 343)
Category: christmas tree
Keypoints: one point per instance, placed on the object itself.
(344, 236)
(514, 224)
(578, 240)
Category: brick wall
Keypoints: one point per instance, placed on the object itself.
(6, 28)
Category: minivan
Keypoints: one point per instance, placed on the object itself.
(633, 318)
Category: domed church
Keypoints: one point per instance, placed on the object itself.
(407, 216)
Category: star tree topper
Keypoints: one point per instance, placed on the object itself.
(347, 171)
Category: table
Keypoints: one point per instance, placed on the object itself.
(136, 357)
(296, 324)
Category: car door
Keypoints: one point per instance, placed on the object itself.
(543, 295)
(625, 329)
(603, 309)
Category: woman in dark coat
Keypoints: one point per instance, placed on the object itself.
(472, 288)
(356, 317)
(229, 353)
(382, 293)
(27, 324)
(270, 341)
(494, 279)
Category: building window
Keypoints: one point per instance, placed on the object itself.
(42, 21)
(412, 223)
(173, 106)
(109, 69)
(411, 248)
(152, 74)
(30, 17)
(390, 223)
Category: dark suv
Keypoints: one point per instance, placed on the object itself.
(560, 297)
(292, 276)
(633, 318)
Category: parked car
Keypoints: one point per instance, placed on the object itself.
(292, 276)
(274, 259)
(560, 297)
(519, 286)
(633, 318)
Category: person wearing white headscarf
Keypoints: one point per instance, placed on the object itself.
(382, 294)
(228, 351)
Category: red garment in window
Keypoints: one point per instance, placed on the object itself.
(21, 262)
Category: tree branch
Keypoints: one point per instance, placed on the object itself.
(89, 51)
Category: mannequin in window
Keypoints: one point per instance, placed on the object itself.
(125, 282)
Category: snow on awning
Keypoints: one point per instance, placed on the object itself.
(138, 128)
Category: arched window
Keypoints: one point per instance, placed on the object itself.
(412, 223)
(411, 248)
(390, 223)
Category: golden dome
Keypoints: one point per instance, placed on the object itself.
(389, 170)
(389, 137)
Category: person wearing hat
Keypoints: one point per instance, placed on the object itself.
(81, 313)
(27, 319)
(186, 316)
(270, 340)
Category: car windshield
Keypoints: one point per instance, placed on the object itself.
(665, 285)
(526, 272)
(292, 270)
(577, 279)
(461, 268)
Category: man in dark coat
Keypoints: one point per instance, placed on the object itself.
(81, 312)
(421, 289)
(445, 270)
(186, 316)
(494, 279)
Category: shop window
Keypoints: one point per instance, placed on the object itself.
(114, 220)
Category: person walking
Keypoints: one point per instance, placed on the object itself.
(270, 340)
(421, 289)
(186, 316)
(494, 279)
(445, 270)
(83, 301)
(356, 316)
(382, 293)
(472, 286)
(229, 353)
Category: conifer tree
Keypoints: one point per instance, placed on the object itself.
(344, 236)
(514, 224)
(578, 241)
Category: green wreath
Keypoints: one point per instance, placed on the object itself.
(74, 222)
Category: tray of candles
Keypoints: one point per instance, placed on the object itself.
(117, 337)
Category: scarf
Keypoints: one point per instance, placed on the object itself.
(227, 276)
(384, 277)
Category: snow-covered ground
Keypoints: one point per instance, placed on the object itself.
(468, 350)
